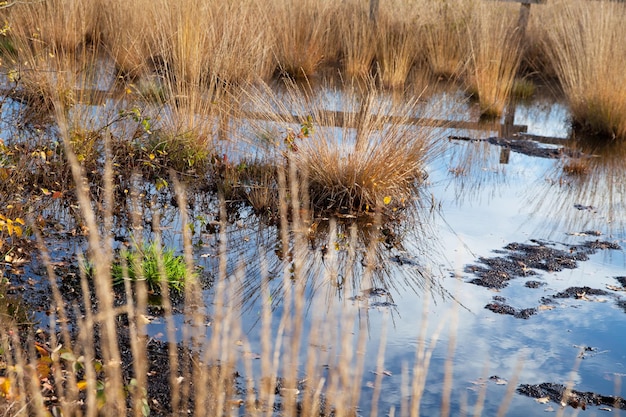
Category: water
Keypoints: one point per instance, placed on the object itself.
(473, 205)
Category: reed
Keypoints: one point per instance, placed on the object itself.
(397, 31)
(356, 34)
(300, 35)
(583, 46)
(63, 25)
(443, 34)
(124, 29)
(494, 56)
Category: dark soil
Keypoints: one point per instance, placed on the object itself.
(577, 292)
(573, 398)
(522, 260)
(502, 308)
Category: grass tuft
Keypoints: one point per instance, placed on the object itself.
(143, 263)
(584, 45)
(494, 56)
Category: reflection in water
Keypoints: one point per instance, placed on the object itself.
(340, 259)
(587, 193)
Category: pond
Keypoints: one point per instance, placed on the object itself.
(481, 202)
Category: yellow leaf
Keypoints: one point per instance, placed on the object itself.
(18, 230)
(81, 385)
(20, 221)
(5, 386)
(152, 156)
(387, 200)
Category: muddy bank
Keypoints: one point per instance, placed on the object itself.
(523, 260)
(559, 394)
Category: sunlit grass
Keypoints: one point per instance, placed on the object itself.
(300, 31)
(494, 56)
(583, 44)
(368, 156)
(444, 37)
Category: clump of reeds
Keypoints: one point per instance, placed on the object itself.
(356, 33)
(369, 155)
(443, 34)
(583, 43)
(396, 47)
(300, 35)
(60, 25)
(125, 29)
(494, 56)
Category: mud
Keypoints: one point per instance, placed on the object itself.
(559, 394)
(523, 260)
(499, 307)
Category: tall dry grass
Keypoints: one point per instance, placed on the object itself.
(397, 34)
(443, 37)
(368, 153)
(124, 29)
(355, 32)
(63, 25)
(583, 43)
(301, 30)
(494, 55)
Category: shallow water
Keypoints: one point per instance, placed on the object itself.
(477, 200)
(482, 205)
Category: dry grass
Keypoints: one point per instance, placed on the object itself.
(366, 156)
(301, 30)
(124, 29)
(583, 42)
(63, 25)
(397, 32)
(494, 56)
(443, 37)
(356, 34)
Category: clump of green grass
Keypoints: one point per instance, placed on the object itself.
(143, 263)
(584, 44)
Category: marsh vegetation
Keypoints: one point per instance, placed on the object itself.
(217, 167)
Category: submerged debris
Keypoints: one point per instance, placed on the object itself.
(579, 292)
(522, 259)
(525, 146)
(559, 394)
(501, 308)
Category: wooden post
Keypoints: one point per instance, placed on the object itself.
(374, 11)
(524, 13)
(509, 117)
